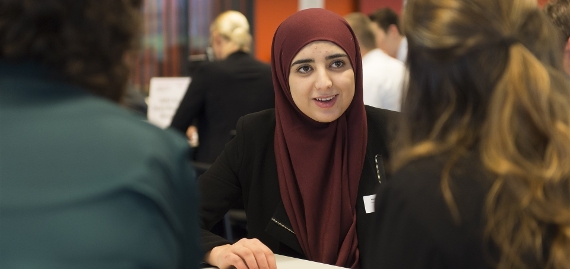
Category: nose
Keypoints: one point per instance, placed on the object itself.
(323, 80)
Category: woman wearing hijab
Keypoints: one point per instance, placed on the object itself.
(482, 175)
(306, 170)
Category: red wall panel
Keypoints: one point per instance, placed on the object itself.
(369, 6)
(269, 14)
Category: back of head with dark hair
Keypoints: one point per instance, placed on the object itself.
(385, 17)
(85, 40)
(559, 13)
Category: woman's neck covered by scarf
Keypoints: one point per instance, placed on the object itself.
(319, 164)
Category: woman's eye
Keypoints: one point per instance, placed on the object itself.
(337, 64)
(304, 69)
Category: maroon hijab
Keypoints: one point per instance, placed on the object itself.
(319, 164)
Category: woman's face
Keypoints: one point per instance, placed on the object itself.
(321, 80)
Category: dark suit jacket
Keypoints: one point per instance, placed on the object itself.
(219, 94)
(247, 168)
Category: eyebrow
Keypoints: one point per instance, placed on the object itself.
(334, 56)
(303, 61)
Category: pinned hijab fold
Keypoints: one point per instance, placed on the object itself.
(319, 164)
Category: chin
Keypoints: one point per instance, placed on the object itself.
(326, 118)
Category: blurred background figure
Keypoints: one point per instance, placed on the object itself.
(383, 76)
(559, 13)
(389, 35)
(226, 89)
(85, 183)
(482, 174)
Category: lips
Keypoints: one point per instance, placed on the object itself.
(326, 101)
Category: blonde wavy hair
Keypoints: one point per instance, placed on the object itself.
(485, 77)
(233, 26)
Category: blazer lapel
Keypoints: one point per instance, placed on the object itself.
(280, 227)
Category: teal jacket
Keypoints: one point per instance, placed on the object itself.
(86, 184)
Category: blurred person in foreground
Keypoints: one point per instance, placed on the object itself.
(482, 168)
(226, 89)
(388, 32)
(382, 75)
(85, 183)
(559, 13)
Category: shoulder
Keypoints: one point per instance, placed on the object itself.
(234, 67)
(417, 175)
(241, 56)
(414, 217)
(430, 170)
(418, 185)
(129, 131)
(379, 118)
(264, 118)
(380, 60)
(374, 113)
(95, 146)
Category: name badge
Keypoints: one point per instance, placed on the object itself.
(369, 203)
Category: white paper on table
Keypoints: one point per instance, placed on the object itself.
(165, 94)
(304, 4)
(285, 262)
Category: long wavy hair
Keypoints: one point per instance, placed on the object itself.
(85, 40)
(485, 76)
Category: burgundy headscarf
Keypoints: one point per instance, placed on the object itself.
(319, 164)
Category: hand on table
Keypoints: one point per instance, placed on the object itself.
(192, 134)
(243, 254)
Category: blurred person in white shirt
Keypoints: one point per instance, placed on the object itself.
(389, 36)
(383, 75)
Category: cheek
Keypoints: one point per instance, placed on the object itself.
(298, 90)
(348, 80)
(348, 85)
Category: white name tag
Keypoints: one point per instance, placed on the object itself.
(369, 203)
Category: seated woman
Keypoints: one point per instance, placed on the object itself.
(306, 169)
(482, 174)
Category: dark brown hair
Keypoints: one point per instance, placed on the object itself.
(85, 40)
(559, 13)
(485, 76)
(385, 17)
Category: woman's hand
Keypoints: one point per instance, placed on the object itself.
(243, 254)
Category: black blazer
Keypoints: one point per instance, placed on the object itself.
(220, 93)
(247, 169)
(414, 227)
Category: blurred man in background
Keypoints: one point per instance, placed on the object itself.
(388, 32)
(383, 76)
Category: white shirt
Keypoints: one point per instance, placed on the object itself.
(383, 78)
(402, 53)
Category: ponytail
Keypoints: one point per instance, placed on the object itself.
(526, 144)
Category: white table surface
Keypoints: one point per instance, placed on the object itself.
(285, 262)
